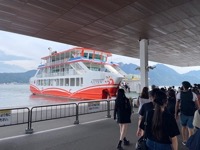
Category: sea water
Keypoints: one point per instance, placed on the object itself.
(19, 95)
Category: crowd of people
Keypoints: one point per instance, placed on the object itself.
(162, 110)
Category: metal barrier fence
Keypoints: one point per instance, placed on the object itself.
(14, 116)
(24, 115)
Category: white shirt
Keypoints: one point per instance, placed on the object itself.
(142, 101)
(178, 96)
(196, 120)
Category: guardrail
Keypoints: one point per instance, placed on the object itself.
(14, 116)
(24, 115)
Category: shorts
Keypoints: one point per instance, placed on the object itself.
(187, 121)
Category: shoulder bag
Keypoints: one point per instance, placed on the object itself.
(141, 143)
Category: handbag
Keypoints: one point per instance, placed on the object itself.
(141, 143)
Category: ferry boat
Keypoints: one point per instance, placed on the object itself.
(77, 73)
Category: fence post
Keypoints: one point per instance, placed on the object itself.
(29, 130)
(108, 109)
(77, 115)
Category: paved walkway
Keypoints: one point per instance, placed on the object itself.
(95, 132)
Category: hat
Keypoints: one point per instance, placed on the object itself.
(186, 84)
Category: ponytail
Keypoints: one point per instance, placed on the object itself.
(157, 122)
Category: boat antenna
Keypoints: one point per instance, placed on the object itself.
(50, 50)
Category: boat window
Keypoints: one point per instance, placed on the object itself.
(45, 82)
(85, 55)
(103, 58)
(57, 82)
(77, 82)
(81, 81)
(38, 82)
(72, 81)
(67, 82)
(97, 56)
(42, 82)
(61, 82)
(51, 82)
(90, 55)
(48, 82)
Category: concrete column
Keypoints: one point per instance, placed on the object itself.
(144, 62)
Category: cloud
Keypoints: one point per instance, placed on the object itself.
(25, 52)
(7, 57)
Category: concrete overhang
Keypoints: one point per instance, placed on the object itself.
(172, 26)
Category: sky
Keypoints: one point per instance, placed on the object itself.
(26, 52)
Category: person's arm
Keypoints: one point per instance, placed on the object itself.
(177, 105)
(174, 143)
(115, 110)
(177, 108)
(139, 130)
(138, 103)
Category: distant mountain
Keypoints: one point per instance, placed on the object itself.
(129, 68)
(194, 74)
(163, 75)
(17, 77)
(7, 68)
(160, 76)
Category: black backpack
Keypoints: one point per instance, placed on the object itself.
(187, 104)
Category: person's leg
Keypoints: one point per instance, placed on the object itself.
(119, 146)
(184, 133)
(183, 120)
(126, 142)
(125, 129)
(190, 126)
(122, 134)
(190, 131)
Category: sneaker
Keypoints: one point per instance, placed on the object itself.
(184, 143)
(126, 142)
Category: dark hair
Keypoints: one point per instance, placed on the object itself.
(145, 93)
(186, 84)
(172, 93)
(152, 93)
(159, 101)
(120, 94)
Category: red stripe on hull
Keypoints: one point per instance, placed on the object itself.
(94, 93)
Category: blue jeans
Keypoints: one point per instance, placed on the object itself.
(157, 146)
(187, 121)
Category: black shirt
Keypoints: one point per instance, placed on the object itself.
(171, 105)
(146, 107)
(169, 127)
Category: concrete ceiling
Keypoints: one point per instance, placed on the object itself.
(172, 26)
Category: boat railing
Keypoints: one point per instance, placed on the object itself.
(57, 62)
(55, 74)
(24, 115)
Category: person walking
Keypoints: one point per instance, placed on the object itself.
(146, 107)
(188, 103)
(171, 102)
(122, 112)
(143, 98)
(161, 128)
